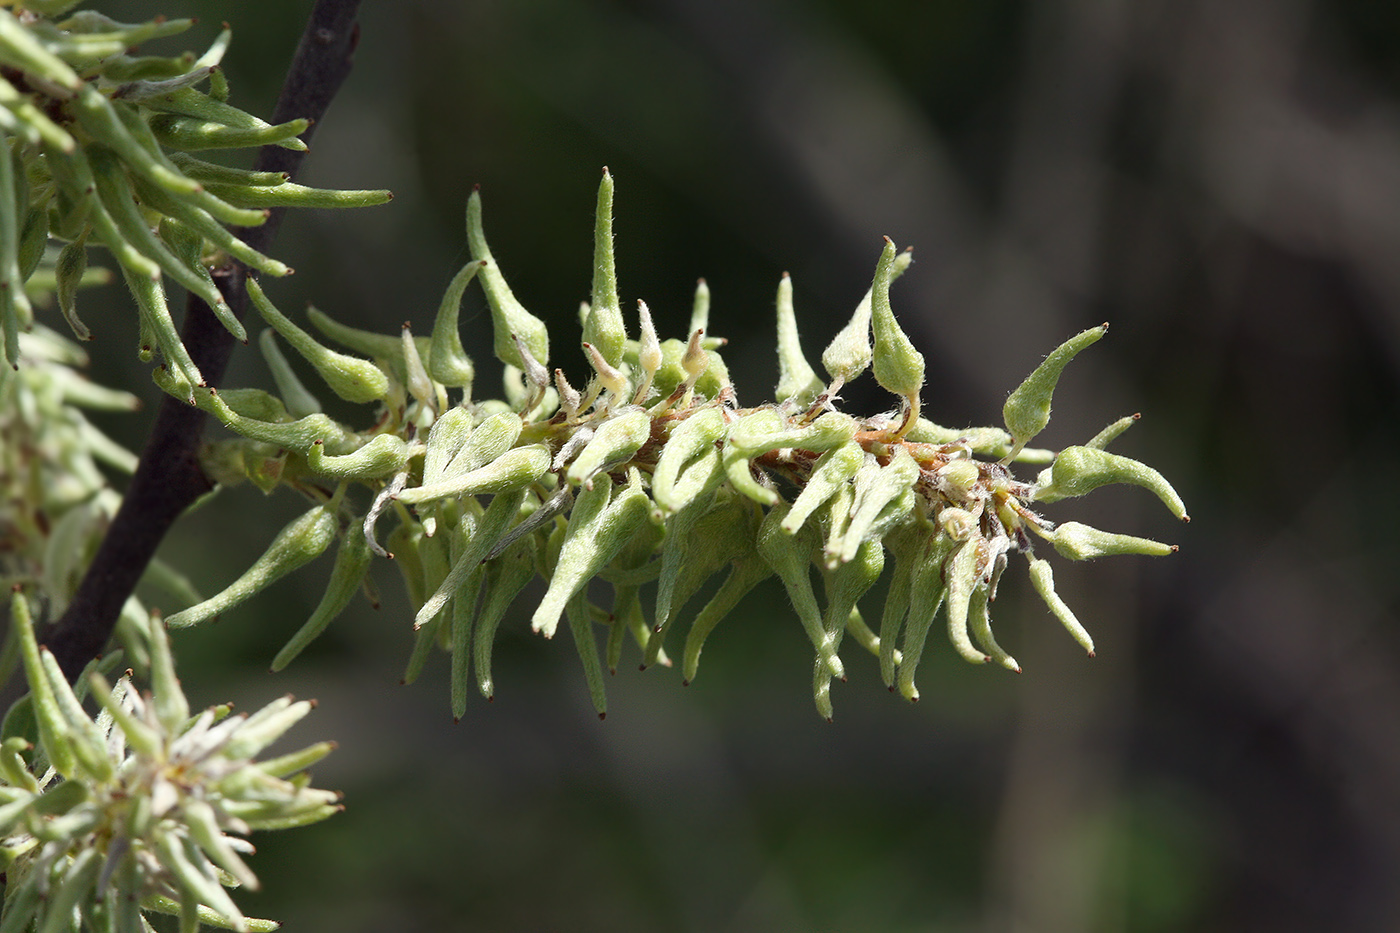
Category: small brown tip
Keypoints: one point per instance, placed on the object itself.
(1175, 548)
(641, 667)
(1186, 519)
(1092, 655)
(455, 720)
(602, 716)
(476, 187)
(685, 683)
(830, 720)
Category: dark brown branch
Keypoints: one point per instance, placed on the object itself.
(169, 478)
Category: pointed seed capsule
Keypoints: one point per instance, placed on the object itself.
(352, 378)
(1027, 408)
(448, 363)
(613, 443)
(1043, 579)
(508, 316)
(898, 367)
(300, 542)
(1078, 541)
(1080, 470)
(351, 564)
(604, 327)
(796, 378)
(789, 556)
(383, 456)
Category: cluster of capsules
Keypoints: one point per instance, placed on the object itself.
(96, 148)
(144, 808)
(653, 473)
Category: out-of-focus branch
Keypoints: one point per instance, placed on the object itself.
(169, 477)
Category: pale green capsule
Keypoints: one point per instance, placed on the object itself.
(508, 315)
(1109, 434)
(604, 327)
(513, 469)
(202, 171)
(875, 488)
(55, 733)
(735, 459)
(385, 350)
(296, 435)
(898, 367)
(207, 227)
(1080, 470)
(988, 441)
(347, 577)
(603, 521)
(796, 378)
(297, 398)
(506, 576)
(448, 363)
(613, 443)
(1043, 579)
(845, 586)
(384, 455)
(906, 544)
(700, 308)
(688, 442)
(301, 541)
(290, 194)
(491, 438)
(193, 134)
(1027, 409)
(484, 533)
(980, 624)
(833, 470)
(1077, 541)
(445, 438)
(743, 576)
(928, 589)
(352, 378)
(790, 557)
(581, 628)
(156, 320)
(849, 352)
(69, 271)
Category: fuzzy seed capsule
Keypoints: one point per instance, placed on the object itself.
(1027, 409)
(352, 378)
(1078, 541)
(508, 315)
(899, 368)
(1080, 470)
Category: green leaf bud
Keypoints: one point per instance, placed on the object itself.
(1080, 470)
(352, 378)
(613, 443)
(300, 542)
(1027, 409)
(1043, 579)
(384, 455)
(604, 327)
(899, 368)
(448, 363)
(508, 316)
(1077, 541)
(796, 378)
(604, 519)
(511, 470)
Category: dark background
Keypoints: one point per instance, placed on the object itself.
(1220, 179)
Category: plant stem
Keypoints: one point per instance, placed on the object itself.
(169, 477)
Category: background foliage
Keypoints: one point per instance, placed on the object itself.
(1219, 179)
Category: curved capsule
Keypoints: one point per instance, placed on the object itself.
(613, 443)
(603, 327)
(927, 592)
(689, 441)
(290, 194)
(347, 576)
(352, 378)
(508, 315)
(1080, 470)
(1043, 579)
(789, 556)
(513, 469)
(898, 367)
(832, 471)
(448, 362)
(445, 438)
(796, 378)
(491, 438)
(300, 542)
(603, 521)
(385, 454)
(1027, 408)
(1078, 541)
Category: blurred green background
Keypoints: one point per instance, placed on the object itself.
(1220, 179)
